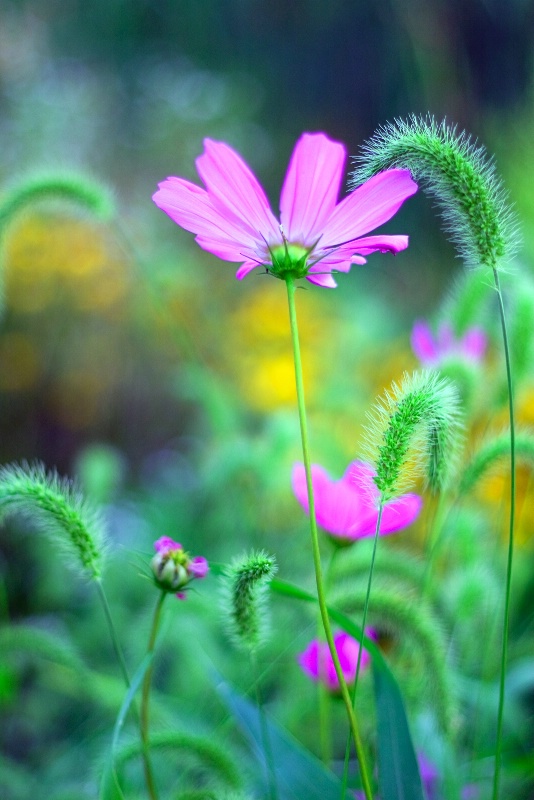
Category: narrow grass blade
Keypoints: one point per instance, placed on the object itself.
(109, 786)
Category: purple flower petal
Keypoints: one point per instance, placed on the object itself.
(348, 508)
(238, 194)
(423, 343)
(198, 567)
(368, 206)
(165, 543)
(311, 187)
(232, 218)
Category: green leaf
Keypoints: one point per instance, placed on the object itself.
(398, 773)
(298, 774)
(109, 786)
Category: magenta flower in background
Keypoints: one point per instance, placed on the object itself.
(317, 662)
(432, 350)
(232, 218)
(347, 509)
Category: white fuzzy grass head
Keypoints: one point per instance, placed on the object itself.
(56, 508)
(455, 171)
(244, 599)
(413, 430)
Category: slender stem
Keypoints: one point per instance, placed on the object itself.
(325, 699)
(116, 644)
(504, 652)
(145, 696)
(315, 540)
(364, 621)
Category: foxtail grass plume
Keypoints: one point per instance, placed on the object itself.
(414, 429)
(244, 598)
(72, 187)
(57, 509)
(458, 174)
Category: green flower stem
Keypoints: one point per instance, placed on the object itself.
(149, 776)
(364, 621)
(115, 641)
(325, 709)
(504, 651)
(364, 772)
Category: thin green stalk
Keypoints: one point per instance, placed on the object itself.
(145, 696)
(115, 641)
(264, 733)
(325, 715)
(504, 652)
(360, 651)
(364, 772)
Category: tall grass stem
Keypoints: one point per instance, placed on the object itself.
(508, 585)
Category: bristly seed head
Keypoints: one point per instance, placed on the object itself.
(458, 174)
(414, 429)
(244, 598)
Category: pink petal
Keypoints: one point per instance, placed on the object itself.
(311, 187)
(198, 567)
(473, 345)
(384, 244)
(191, 207)
(235, 191)
(368, 206)
(245, 268)
(400, 513)
(337, 503)
(322, 279)
(423, 343)
(166, 543)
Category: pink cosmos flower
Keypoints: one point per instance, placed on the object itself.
(317, 662)
(232, 218)
(347, 509)
(432, 350)
(173, 568)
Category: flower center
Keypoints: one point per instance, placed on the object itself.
(289, 259)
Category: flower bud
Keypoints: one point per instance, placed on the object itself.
(173, 568)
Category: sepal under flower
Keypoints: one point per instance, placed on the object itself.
(173, 568)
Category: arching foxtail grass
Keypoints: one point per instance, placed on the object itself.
(58, 510)
(413, 429)
(491, 454)
(246, 616)
(408, 617)
(478, 217)
(72, 187)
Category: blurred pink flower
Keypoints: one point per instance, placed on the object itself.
(432, 350)
(347, 509)
(318, 664)
(232, 217)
